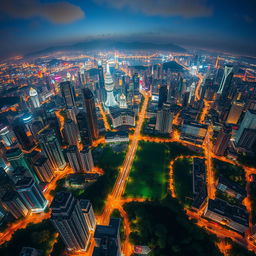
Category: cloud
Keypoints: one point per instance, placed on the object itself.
(58, 12)
(183, 8)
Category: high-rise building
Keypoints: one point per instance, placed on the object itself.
(67, 216)
(101, 84)
(87, 163)
(107, 239)
(109, 87)
(91, 115)
(222, 142)
(191, 92)
(163, 93)
(31, 194)
(247, 139)
(34, 98)
(51, 148)
(6, 183)
(44, 169)
(235, 112)
(83, 128)
(20, 133)
(16, 158)
(70, 132)
(164, 119)
(13, 203)
(226, 81)
(71, 114)
(74, 158)
(88, 213)
(248, 122)
(122, 101)
(7, 135)
(68, 93)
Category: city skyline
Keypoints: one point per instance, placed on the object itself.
(37, 24)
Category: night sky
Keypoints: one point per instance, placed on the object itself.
(27, 25)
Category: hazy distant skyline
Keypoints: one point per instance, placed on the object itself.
(28, 25)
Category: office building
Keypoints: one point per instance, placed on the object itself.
(109, 87)
(13, 203)
(73, 156)
(235, 112)
(6, 183)
(88, 213)
(232, 216)
(51, 149)
(91, 116)
(163, 93)
(193, 132)
(122, 101)
(107, 239)
(222, 142)
(122, 117)
(17, 159)
(20, 133)
(31, 194)
(44, 169)
(67, 216)
(247, 140)
(87, 163)
(34, 98)
(248, 122)
(71, 114)
(120, 136)
(6, 135)
(225, 81)
(68, 93)
(164, 119)
(70, 132)
(85, 137)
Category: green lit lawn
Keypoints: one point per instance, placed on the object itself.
(149, 175)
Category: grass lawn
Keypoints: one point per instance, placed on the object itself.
(229, 171)
(149, 175)
(183, 183)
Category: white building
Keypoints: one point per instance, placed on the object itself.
(34, 98)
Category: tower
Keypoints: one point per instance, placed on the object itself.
(248, 122)
(91, 115)
(87, 163)
(109, 87)
(68, 93)
(70, 132)
(51, 148)
(164, 119)
(74, 158)
(31, 194)
(67, 217)
(13, 203)
(43, 169)
(34, 98)
(225, 81)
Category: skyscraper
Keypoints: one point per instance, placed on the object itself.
(122, 101)
(109, 87)
(83, 128)
(164, 119)
(51, 148)
(163, 93)
(91, 115)
(235, 112)
(225, 81)
(44, 169)
(20, 133)
(13, 203)
(67, 217)
(87, 164)
(70, 132)
(222, 142)
(74, 158)
(248, 122)
(31, 194)
(6, 135)
(68, 93)
(16, 158)
(88, 213)
(34, 98)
